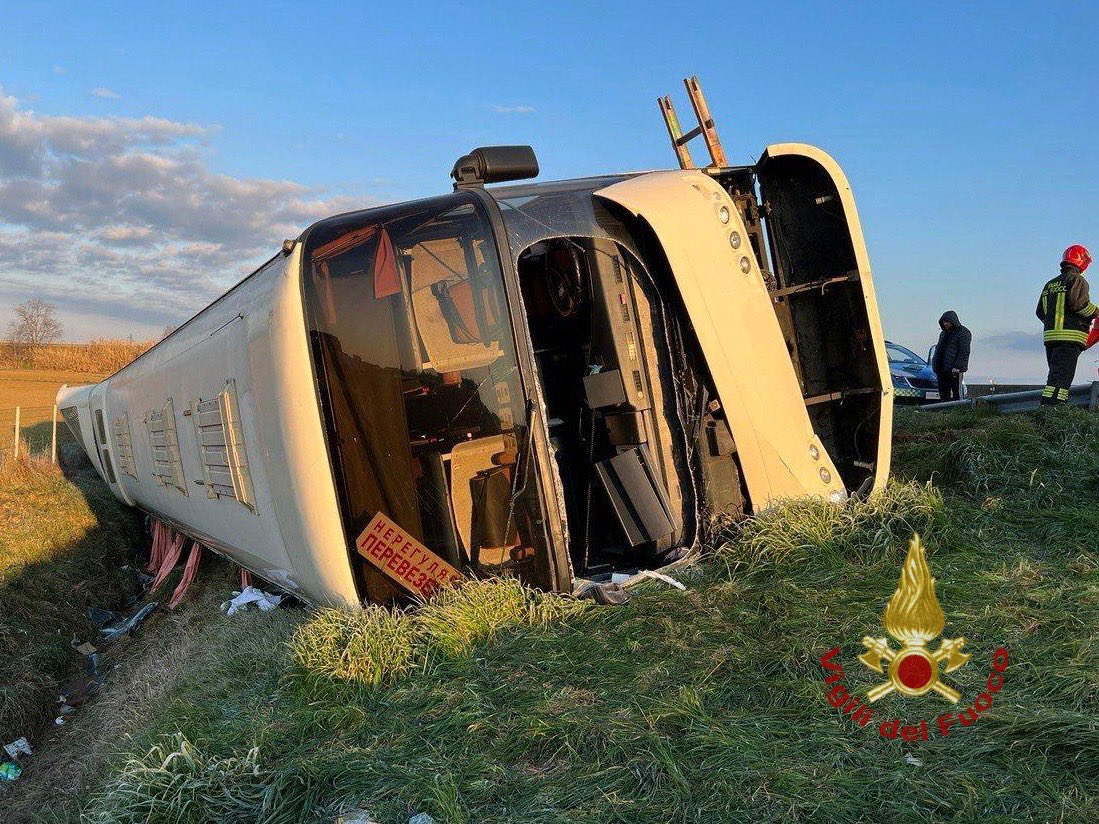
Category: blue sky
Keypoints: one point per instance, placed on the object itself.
(153, 155)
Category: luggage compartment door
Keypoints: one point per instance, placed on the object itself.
(823, 277)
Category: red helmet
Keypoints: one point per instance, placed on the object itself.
(1078, 256)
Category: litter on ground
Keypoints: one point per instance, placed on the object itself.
(9, 771)
(113, 633)
(20, 746)
(264, 600)
(605, 594)
(660, 576)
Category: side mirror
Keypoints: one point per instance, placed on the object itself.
(495, 164)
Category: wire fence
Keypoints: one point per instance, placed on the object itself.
(37, 431)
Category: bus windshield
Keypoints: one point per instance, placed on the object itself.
(420, 387)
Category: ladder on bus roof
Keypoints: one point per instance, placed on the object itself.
(705, 127)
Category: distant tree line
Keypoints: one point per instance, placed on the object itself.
(33, 339)
(35, 324)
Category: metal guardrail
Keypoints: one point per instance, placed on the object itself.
(1085, 395)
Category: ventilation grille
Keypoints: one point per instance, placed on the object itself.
(72, 419)
(124, 448)
(167, 465)
(221, 447)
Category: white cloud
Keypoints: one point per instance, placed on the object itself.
(59, 70)
(108, 94)
(123, 218)
(518, 109)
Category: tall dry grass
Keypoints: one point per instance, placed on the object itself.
(102, 355)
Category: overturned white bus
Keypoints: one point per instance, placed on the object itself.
(555, 381)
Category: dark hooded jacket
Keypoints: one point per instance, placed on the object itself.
(952, 351)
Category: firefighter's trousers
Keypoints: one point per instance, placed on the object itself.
(1061, 357)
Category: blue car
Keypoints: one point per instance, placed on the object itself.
(914, 380)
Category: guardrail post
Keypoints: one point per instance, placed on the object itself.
(53, 436)
(16, 447)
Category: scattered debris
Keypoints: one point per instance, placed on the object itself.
(83, 688)
(189, 570)
(421, 818)
(20, 746)
(264, 600)
(86, 649)
(608, 594)
(113, 633)
(102, 617)
(676, 553)
(660, 576)
(9, 771)
(356, 817)
(59, 721)
(910, 759)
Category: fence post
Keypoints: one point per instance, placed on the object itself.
(16, 448)
(53, 437)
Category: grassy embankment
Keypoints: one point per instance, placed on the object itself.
(63, 542)
(707, 705)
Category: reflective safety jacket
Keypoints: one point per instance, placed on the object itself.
(1065, 308)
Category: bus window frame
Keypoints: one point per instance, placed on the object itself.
(538, 441)
(547, 489)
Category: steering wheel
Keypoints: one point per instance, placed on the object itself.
(563, 279)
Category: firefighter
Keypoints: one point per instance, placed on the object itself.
(951, 359)
(1066, 312)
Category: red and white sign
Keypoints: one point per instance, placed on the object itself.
(403, 558)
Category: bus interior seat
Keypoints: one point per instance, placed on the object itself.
(477, 468)
(442, 308)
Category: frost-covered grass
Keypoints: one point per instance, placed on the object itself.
(498, 704)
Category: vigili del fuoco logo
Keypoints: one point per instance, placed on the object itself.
(913, 618)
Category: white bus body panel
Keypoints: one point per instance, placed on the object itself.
(731, 313)
(254, 336)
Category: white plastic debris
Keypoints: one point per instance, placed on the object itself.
(20, 746)
(660, 576)
(910, 759)
(264, 600)
(356, 817)
(59, 721)
(421, 818)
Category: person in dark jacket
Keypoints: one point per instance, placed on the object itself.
(951, 359)
(1066, 311)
